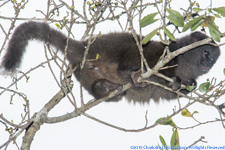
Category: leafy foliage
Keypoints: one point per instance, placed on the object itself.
(175, 17)
(190, 88)
(186, 113)
(220, 10)
(193, 21)
(213, 30)
(204, 87)
(147, 20)
(175, 140)
(149, 36)
(168, 33)
(162, 140)
(166, 122)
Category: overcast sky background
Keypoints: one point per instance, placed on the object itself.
(83, 133)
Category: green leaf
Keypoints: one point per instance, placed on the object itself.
(217, 15)
(195, 112)
(175, 17)
(204, 87)
(174, 12)
(147, 20)
(190, 88)
(163, 41)
(197, 9)
(175, 140)
(149, 36)
(210, 10)
(186, 113)
(169, 34)
(161, 148)
(58, 25)
(224, 71)
(213, 30)
(167, 122)
(176, 21)
(197, 24)
(191, 23)
(163, 142)
(197, 4)
(28, 77)
(220, 10)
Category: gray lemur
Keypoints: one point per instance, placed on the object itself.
(119, 61)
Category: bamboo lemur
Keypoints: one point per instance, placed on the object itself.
(119, 61)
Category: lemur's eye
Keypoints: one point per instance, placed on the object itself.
(206, 53)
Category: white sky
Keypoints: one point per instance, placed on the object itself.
(83, 133)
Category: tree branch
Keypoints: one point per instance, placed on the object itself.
(38, 118)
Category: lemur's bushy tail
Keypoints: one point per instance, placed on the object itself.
(39, 31)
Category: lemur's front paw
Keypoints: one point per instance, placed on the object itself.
(176, 83)
(190, 82)
(134, 76)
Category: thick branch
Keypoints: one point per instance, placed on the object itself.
(38, 117)
(80, 110)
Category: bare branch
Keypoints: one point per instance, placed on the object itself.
(38, 118)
